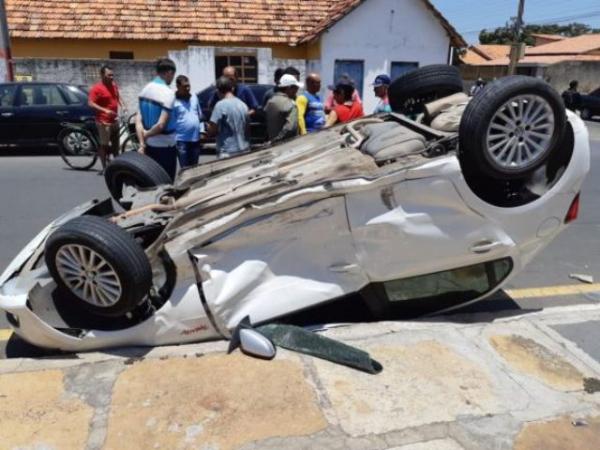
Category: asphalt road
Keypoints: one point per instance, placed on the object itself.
(36, 189)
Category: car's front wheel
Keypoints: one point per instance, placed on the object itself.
(99, 265)
(511, 128)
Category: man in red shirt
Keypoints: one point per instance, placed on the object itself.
(104, 99)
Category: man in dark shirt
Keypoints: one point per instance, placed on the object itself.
(276, 77)
(571, 97)
(241, 91)
(281, 111)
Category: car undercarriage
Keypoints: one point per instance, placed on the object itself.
(432, 207)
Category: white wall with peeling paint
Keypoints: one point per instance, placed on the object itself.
(382, 31)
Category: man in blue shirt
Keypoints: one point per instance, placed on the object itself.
(155, 122)
(189, 127)
(240, 90)
(380, 86)
(311, 111)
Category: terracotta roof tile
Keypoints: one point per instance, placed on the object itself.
(541, 59)
(572, 46)
(275, 21)
(473, 58)
(479, 54)
(549, 37)
(493, 51)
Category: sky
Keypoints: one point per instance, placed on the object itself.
(470, 16)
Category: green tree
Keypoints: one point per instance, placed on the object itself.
(505, 34)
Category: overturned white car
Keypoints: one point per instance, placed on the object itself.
(415, 215)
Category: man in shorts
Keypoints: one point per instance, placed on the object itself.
(105, 100)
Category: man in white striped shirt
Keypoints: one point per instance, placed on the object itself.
(155, 123)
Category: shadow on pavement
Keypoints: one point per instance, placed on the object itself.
(499, 306)
(496, 307)
(16, 347)
(28, 151)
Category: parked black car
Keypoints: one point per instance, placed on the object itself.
(590, 104)
(258, 128)
(31, 113)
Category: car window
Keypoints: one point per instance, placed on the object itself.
(74, 95)
(41, 95)
(7, 95)
(466, 283)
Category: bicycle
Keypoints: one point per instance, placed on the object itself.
(78, 142)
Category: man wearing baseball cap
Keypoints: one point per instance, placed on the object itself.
(380, 86)
(281, 111)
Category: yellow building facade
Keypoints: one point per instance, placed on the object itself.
(138, 49)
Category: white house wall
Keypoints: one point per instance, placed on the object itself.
(379, 32)
(198, 63)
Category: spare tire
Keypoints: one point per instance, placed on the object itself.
(511, 128)
(99, 265)
(133, 169)
(409, 93)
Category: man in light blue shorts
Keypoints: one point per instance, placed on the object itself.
(155, 123)
(229, 121)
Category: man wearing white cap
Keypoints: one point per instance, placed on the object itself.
(281, 111)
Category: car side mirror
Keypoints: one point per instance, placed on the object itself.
(253, 343)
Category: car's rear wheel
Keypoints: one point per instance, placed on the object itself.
(511, 127)
(77, 148)
(133, 169)
(99, 265)
(409, 93)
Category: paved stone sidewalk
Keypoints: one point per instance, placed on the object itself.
(506, 383)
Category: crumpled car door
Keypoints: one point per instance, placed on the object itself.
(280, 263)
(421, 226)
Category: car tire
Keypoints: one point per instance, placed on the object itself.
(409, 93)
(134, 169)
(511, 128)
(99, 265)
(77, 148)
(586, 114)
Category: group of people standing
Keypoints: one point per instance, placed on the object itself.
(170, 124)
(289, 114)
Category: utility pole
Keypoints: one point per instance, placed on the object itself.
(6, 67)
(517, 50)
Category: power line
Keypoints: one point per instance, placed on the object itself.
(563, 19)
(569, 18)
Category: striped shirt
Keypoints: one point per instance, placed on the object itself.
(155, 98)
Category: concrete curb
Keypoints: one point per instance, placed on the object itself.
(470, 382)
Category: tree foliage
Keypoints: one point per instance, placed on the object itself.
(505, 34)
